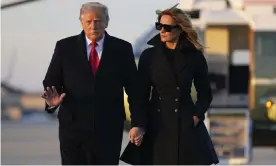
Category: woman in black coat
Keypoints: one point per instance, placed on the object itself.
(175, 132)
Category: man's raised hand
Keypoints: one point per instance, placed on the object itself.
(51, 96)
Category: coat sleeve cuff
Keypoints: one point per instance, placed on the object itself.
(51, 109)
(138, 124)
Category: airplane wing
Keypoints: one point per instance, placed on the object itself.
(5, 4)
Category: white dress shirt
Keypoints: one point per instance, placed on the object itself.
(99, 47)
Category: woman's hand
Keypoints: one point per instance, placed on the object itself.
(136, 135)
(196, 120)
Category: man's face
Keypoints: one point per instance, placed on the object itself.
(93, 24)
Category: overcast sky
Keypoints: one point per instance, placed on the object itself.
(29, 33)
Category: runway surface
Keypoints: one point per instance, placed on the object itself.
(37, 144)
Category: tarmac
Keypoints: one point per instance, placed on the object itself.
(26, 143)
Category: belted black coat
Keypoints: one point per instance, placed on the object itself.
(166, 81)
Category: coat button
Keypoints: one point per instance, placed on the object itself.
(176, 110)
(177, 88)
(159, 98)
(176, 99)
(158, 110)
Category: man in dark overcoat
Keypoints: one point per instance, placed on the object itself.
(86, 79)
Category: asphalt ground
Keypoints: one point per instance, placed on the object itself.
(37, 144)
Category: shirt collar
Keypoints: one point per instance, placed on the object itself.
(100, 42)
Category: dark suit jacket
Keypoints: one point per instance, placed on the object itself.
(94, 103)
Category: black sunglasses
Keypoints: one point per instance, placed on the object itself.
(167, 28)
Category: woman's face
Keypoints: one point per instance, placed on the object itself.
(169, 30)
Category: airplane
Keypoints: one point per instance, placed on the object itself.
(12, 4)
(15, 102)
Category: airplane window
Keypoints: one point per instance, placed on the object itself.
(265, 44)
(194, 14)
(265, 54)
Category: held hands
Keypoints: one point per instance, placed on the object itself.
(51, 96)
(196, 120)
(136, 135)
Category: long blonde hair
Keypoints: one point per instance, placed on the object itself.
(184, 21)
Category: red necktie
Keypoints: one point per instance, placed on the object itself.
(94, 58)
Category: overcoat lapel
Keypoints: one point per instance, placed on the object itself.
(180, 62)
(163, 68)
(182, 58)
(82, 51)
(107, 51)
